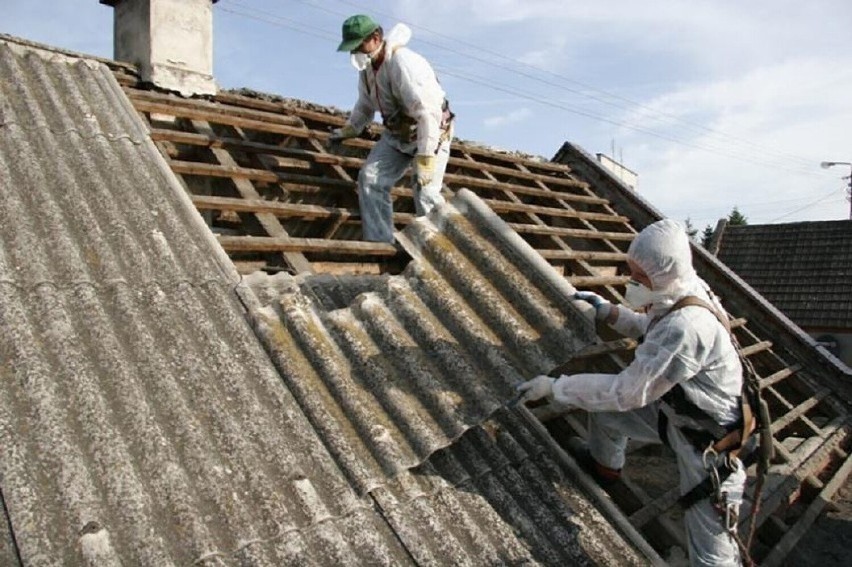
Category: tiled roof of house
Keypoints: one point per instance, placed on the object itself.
(439, 478)
(803, 268)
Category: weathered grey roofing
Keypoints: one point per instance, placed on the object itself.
(496, 496)
(140, 418)
(142, 421)
(803, 268)
(400, 371)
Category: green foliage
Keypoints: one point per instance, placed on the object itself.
(736, 218)
(707, 236)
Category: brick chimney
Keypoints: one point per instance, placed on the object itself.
(170, 41)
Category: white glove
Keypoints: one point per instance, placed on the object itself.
(536, 389)
(601, 305)
(424, 165)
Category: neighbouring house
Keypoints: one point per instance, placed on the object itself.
(203, 363)
(804, 269)
(619, 170)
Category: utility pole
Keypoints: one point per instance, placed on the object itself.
(827, 164)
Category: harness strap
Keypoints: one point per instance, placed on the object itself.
(733, 442)
(403, 126)
(695, 424)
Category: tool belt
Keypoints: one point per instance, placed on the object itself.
(697, 427)
(404, 128)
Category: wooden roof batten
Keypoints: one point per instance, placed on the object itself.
(193, 137)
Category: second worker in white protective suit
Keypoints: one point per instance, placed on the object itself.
(401, 85)
(686, 351)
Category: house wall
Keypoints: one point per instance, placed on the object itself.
(625, 175)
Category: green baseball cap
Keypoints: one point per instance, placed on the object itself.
(355, 30)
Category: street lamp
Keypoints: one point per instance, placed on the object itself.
(827, 164)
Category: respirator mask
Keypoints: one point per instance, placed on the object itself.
(361, 60)
(638, 296)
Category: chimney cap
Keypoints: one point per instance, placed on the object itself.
(114, 2)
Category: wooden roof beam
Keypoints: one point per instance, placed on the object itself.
(305, 245)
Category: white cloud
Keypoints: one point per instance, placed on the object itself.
(755, 142)
(512, 117)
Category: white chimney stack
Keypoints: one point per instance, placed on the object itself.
(170, 41)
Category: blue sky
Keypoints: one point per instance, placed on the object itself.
(714, 104)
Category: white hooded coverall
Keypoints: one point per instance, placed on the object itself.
(404, 85)
(687, 347)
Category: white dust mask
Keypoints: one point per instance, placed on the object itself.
(360, 60)
(638, 295)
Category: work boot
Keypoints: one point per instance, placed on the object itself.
(604, 476)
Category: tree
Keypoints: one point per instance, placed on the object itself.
(707, 236)
(736, 218)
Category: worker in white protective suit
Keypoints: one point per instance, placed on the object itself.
(685, 351)
(402, 86)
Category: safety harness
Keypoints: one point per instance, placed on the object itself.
(402, 126)
(712, 439)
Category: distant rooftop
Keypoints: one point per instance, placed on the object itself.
(803, 268)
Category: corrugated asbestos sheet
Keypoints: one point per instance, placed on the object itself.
(474, 502)
(804, 268)
(399, 371)
(142, 422)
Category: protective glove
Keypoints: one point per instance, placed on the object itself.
(536, 389)
(424, 166)
(339, 134)
(601, 305)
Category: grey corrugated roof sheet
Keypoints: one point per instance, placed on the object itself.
(399, 371)
(143, 423)
(141, 420)
(497, 497)
(804, 268)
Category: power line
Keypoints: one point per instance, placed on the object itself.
(812, 205)
(755, 160)
(749, 208)
(708, 218)
(485, 82)
(281, 21)
(627, 104)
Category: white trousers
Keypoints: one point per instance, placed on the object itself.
(709, 542)
(383, 168)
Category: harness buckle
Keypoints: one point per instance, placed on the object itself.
(709, 459)
(732, 516)
(729, 513)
